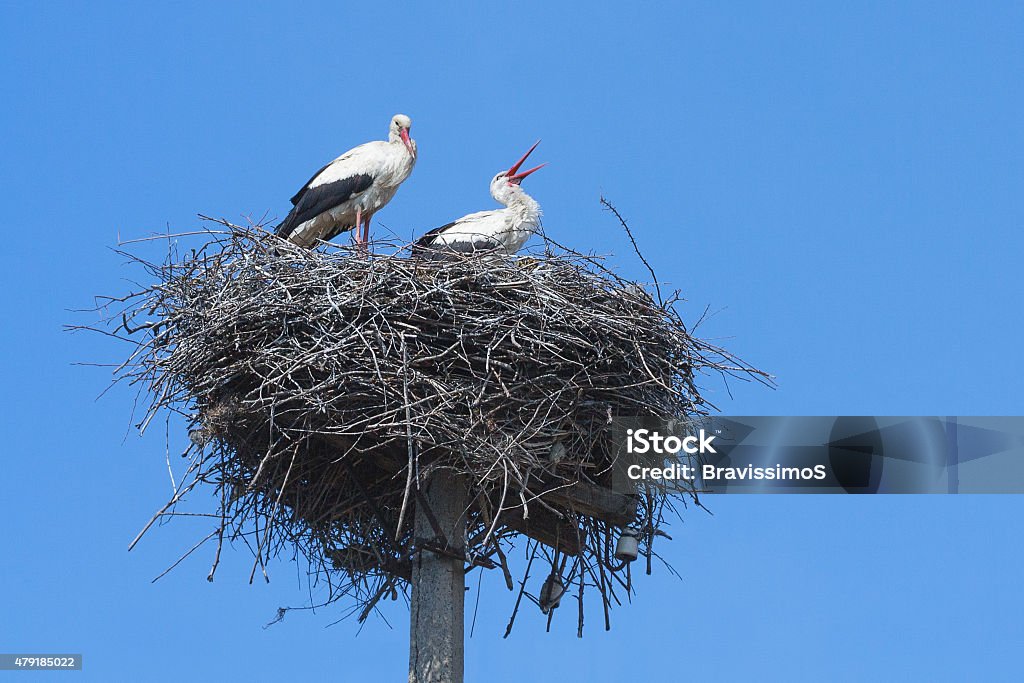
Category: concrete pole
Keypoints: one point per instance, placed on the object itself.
(437, 626)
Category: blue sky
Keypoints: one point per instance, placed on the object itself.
(843, 185)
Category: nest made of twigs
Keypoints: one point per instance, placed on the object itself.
(322, 387)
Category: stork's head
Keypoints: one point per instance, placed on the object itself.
(401, 125)
(506, 183)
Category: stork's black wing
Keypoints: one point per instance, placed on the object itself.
(310, 202)
(298, 195)
(425, 247)
(424, 244)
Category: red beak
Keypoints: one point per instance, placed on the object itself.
(408, 142)
(514, 176)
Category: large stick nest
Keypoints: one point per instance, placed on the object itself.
(324, 387)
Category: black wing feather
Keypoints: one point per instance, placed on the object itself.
(424, 247)
(426, 243)
(310, 202)
(298, 195)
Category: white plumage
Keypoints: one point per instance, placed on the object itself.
(344, 194)
(505, 230)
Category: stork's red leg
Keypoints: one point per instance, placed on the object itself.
(366, 228)
(356, 232)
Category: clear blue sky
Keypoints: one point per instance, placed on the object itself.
(843, 184)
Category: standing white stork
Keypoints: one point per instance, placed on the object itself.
(498, 230)
(344, 194)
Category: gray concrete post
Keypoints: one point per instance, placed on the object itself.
(437, 626)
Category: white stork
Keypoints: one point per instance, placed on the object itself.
(498, 230)
(344, 194)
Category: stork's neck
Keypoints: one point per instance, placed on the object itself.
(398, 146)
(521, 205)
(510, 195)
(521, 200)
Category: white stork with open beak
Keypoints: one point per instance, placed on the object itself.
(503, 230)
(344, 194)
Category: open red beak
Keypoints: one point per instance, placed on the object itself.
(513, 173)
(408, 141)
